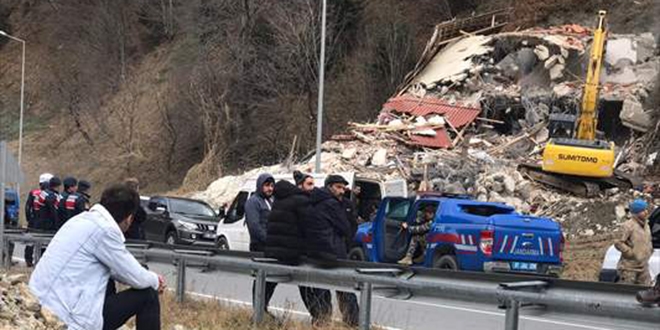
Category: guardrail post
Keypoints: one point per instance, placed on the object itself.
(259, 297)
(366, 290)
(181, 280)
(511, 316)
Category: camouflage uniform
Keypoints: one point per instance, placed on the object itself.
(634, 242)
(418, 232)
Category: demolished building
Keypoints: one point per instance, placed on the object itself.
(477, 104)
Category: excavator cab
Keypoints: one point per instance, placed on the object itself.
(579, 157)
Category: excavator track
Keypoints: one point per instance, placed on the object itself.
(577, 185)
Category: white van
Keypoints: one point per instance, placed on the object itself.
(232, 230)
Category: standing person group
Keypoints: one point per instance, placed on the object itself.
(48, 210)
(289, 221)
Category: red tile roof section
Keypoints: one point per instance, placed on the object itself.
(456, 114)
(440, 140)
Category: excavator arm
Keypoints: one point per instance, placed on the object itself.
(588, 116)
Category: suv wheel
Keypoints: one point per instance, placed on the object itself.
(447, 262)
(222, 244)
(357, 254)
(170, 238)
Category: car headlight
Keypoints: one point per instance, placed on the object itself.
(188, 225)
(212, 228)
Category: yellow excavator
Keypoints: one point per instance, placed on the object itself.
(579, 162)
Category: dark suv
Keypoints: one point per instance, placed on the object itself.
(180, 221)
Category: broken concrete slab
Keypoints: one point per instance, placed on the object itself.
(633, 115)
(620, 52)
(542, 52)
(379, 158)
(349, 153)
(454, 60)
(557, 71)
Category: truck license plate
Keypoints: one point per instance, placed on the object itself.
(523, 266)
(209, 235)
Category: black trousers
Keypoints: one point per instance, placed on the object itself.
(348, 306)
(29, 255)
(319, 304)
(120, 307)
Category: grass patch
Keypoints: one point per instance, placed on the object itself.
(203, 314)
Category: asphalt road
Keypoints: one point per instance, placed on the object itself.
(416, 313)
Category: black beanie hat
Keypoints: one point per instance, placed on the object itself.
(334, 178)
(300, 177)
(55, 182)
(69, 182)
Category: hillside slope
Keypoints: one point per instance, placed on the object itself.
(201, 88)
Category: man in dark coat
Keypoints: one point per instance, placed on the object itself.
(327, 233)
(70, 190)
(285, 236)
(50, 201)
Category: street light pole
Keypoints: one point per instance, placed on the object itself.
(20, 124)
(319, 114)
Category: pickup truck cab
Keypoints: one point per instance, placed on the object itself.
(232, 231)
(465, 235)
(176, 220)
(12, 206)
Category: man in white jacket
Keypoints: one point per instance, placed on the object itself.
(72, 276)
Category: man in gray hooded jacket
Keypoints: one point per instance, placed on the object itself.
(257, 211)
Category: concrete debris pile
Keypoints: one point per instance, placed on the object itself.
(512, 81)
(478, 106)
(20, 310)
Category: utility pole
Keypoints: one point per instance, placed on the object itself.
(319, 113)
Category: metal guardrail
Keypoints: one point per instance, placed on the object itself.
(509, 292)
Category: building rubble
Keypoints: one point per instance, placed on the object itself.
(20, 310)
(477, 106)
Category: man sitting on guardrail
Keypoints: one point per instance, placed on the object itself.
(634, 242)
(71, 278)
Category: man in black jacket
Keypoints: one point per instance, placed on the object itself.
(70, 189)
(50, 201)
(285, 238)
(327, 232)
(32, 209)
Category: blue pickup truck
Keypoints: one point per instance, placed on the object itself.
(465, 235)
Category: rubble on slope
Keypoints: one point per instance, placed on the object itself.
(20, 310)
(477, 106)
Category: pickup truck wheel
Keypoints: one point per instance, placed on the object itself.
(170, 238)
(222, 244)
(446, 261)
(357, 254)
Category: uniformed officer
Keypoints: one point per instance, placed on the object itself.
(70, 189)
(634, 242)
(32, 207)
